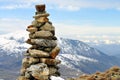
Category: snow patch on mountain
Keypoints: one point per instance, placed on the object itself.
(14, 43)
(56, 78)
(78, 57)
(108, 46)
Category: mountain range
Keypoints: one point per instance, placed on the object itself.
(77, 57)
(108, 46)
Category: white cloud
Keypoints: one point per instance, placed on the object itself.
(16, 4)
(11, 25)
(86, 29)
(7, 24)
(64, 30)
(86, 32)
(63, 4)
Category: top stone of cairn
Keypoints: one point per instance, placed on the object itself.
(40, 8)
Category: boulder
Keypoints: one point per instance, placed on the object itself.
(38, 53)
(42, 19)
(44, 42)
(39, 71)
(41, 34)
(55, 52)
(47, 27)
(37, 47)
(49, 61)
(37, 24)
(40, 8)
(28, 61)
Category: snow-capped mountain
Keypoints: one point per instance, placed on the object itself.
(76, 56)
(109, 46)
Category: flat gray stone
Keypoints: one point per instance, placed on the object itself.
(41, 34)
(38, 53)
(44, 42)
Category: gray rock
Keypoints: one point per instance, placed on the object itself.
(48, 50)
(41, 34)
(37, 24)
(39, 71)
(47, 27)
(44, 42)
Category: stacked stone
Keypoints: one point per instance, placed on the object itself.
(40, 62)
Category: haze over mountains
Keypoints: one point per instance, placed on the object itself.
(77, 57)
(110, 47)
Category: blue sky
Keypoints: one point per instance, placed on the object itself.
(70, 17)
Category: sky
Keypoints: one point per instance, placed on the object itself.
(71, 18)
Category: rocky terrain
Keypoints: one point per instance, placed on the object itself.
(111, 74)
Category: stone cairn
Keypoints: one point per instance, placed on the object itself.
(39, 62)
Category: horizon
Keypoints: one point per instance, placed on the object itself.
(72, 19)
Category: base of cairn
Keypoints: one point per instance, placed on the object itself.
(39, 62)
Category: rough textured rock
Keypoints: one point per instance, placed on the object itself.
(38, 53)
(111, 74)
(40, 8)
(44, 42)
(41, 34)
(47, 27)
(32, 29)
(55, 52)
(40, 68)
(42, 19)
